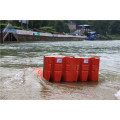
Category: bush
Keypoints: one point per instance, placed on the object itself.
(55, 33)
(48, 29)
(115, 37)
(70, 34)
(16, 27)
(4, 25)
(107, 37)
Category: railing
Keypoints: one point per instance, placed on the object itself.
(23, 32)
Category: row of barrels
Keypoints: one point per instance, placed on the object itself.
(71, 69)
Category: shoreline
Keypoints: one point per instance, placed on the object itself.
(32, 38)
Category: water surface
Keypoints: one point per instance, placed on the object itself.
(17, 60)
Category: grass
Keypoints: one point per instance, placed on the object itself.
(115, 37)
(111, 37)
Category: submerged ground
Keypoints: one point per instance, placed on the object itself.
(17, 60)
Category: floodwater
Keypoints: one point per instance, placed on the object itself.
(17, 81)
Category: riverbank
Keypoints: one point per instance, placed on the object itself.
(115, 37)
(32, 38)
(22, 38)
(111, 37)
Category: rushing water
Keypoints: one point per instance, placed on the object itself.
(17, 60)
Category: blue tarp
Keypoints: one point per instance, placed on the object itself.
(92, 32)
(90, 37)
(10, 30)
(85, 25)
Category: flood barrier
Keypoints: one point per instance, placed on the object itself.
(71, 69)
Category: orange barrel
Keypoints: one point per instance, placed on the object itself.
(57, 69)
(94, 69)
(84, 69)
(39, 72)
(70, 74)
(48, 62)
(77, 68)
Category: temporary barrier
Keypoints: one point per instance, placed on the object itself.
(70, 74)
(47, 73)
(94, 69)
(39, 72)
(71, 69)
(57, 69)
(84, 69)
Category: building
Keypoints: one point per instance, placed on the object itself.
(72, 26)
(82, 29)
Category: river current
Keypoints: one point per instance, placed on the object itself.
(17, 81)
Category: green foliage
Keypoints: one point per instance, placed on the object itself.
(15, 22)
(115, 27)
(103, 27)
(60, 26)
(3, 25)
(55, 32)
(16, 27)
(52, 23)
(115, 37)
(111, 37)
(35, 23)
(69, 33)
(107, 37)
(66, 28)
(48, 29)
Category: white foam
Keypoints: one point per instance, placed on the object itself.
(118, 95)
(26, 78)
(17, 77)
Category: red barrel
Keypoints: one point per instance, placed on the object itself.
(94, 69)
(70, 69)
(48, 62)
(70, 73)
(77, 69)
(84, 69)
(57, 69)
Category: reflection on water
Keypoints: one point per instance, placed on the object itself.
(17, 81)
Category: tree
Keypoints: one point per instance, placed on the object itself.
(52, 23)
(115, 27)
(36, 23)
(60, 26)
(48, 29)
(66, 28)
(102, 27)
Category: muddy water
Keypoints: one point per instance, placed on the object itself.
(17, 60)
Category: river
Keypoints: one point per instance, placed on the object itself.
(18, 82)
